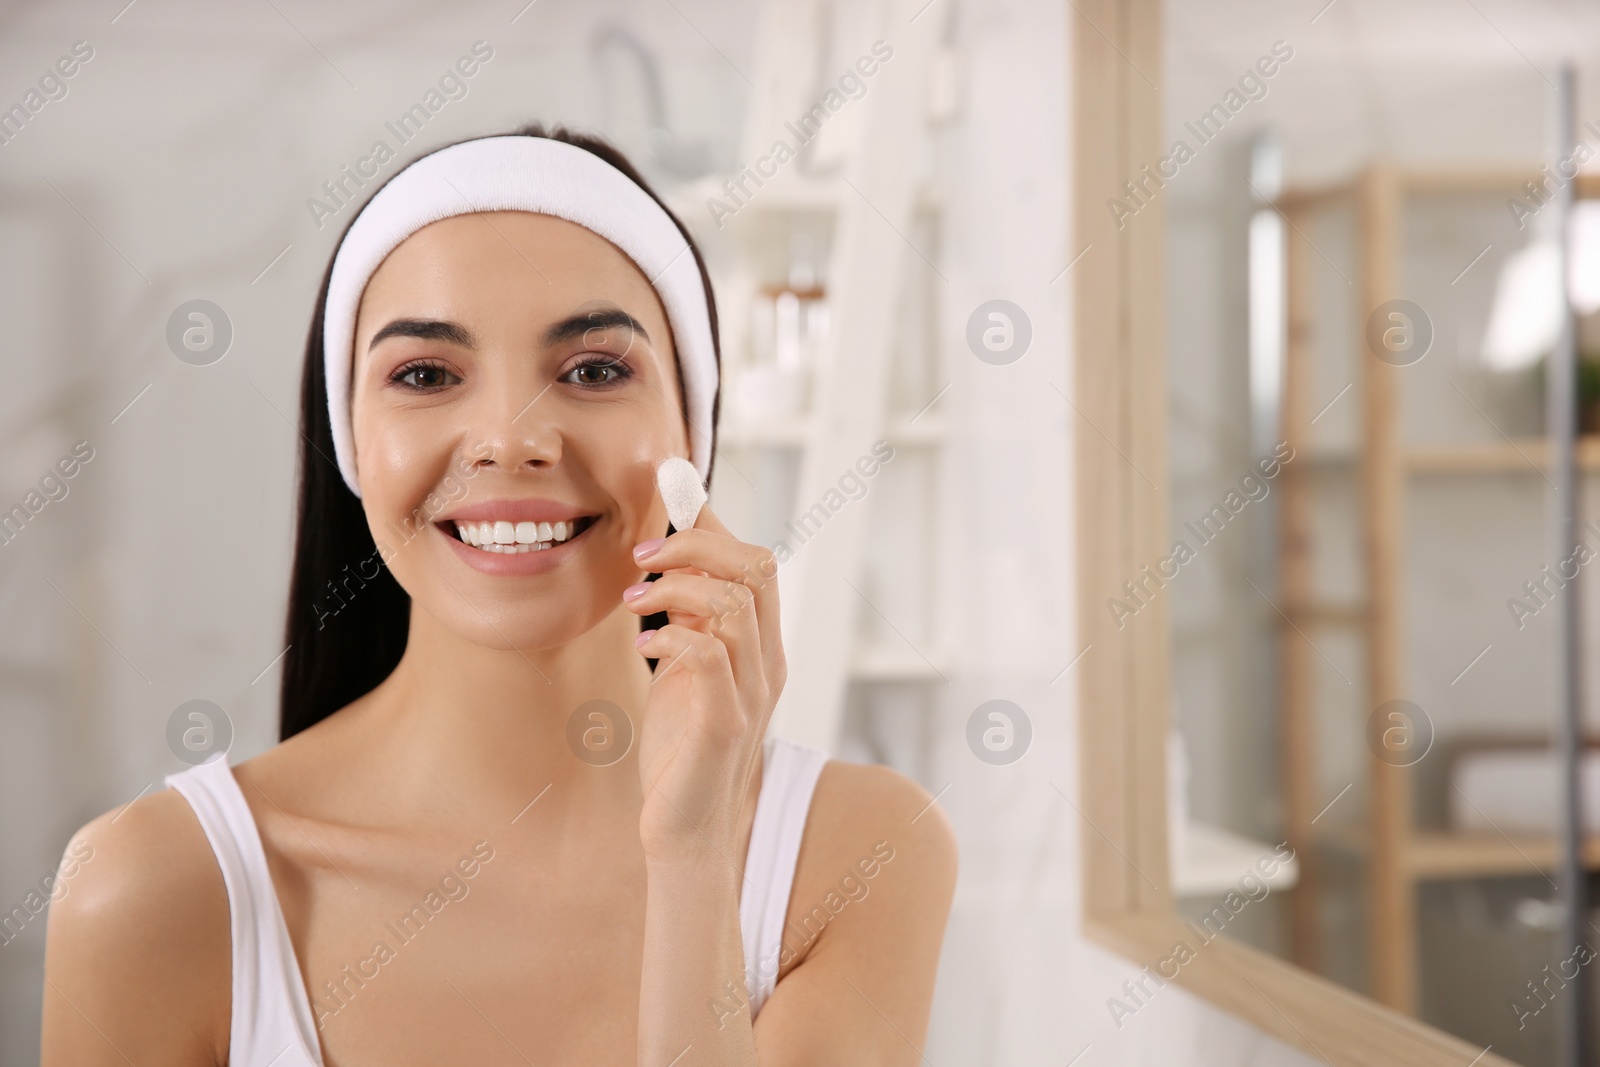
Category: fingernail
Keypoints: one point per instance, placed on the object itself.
(645, 549)
(645, 635)
(634, 592)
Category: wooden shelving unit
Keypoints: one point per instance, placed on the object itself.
(1398, 856)
(1529, 455)
(1526, 455)
(1459, 855)
(1434, 855)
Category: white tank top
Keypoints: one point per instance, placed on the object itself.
(273, 1025)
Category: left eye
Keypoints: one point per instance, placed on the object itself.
(597, 373)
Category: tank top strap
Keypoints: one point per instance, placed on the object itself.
(271, 1020)
(788, 780)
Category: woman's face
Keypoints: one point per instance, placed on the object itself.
(514, 380)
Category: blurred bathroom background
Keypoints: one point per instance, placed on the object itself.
(894, 283)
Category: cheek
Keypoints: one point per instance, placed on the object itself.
(400, 461)
(395, 458)
(622, 459)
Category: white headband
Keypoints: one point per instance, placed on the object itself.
(518, 173)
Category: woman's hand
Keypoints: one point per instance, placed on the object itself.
(719, 672)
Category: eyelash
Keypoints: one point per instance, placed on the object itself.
(399, 376)
(623, 371)
(620, 368)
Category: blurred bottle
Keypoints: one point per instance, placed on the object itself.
(789, 325)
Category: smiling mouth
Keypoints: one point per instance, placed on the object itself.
(510, 538)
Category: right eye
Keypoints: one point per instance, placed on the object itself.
(424, 375)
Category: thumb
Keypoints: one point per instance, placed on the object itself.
(707, 520)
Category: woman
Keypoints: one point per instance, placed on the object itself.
(507, 823)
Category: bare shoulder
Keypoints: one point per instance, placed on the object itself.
(872, 832)
(858, 800)
(866, 921)
(138, 951)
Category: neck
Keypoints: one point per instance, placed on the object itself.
(491, 725)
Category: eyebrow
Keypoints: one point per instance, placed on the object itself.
(600, 319)
(575, 325)
(427, 330)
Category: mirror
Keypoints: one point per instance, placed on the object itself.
(1363, 296)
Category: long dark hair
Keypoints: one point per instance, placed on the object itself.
(348, 617)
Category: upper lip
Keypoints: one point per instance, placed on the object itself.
(515, 511)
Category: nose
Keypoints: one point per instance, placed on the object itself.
(513, 432)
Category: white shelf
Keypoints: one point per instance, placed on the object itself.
(927, 431)
(1210, 861)
(896, 663)
(792, 431)
(787, 193)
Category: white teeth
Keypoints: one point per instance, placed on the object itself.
(504, 536)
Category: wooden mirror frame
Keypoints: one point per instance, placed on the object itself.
(1120, 441)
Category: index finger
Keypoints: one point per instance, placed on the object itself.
(709, 546)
